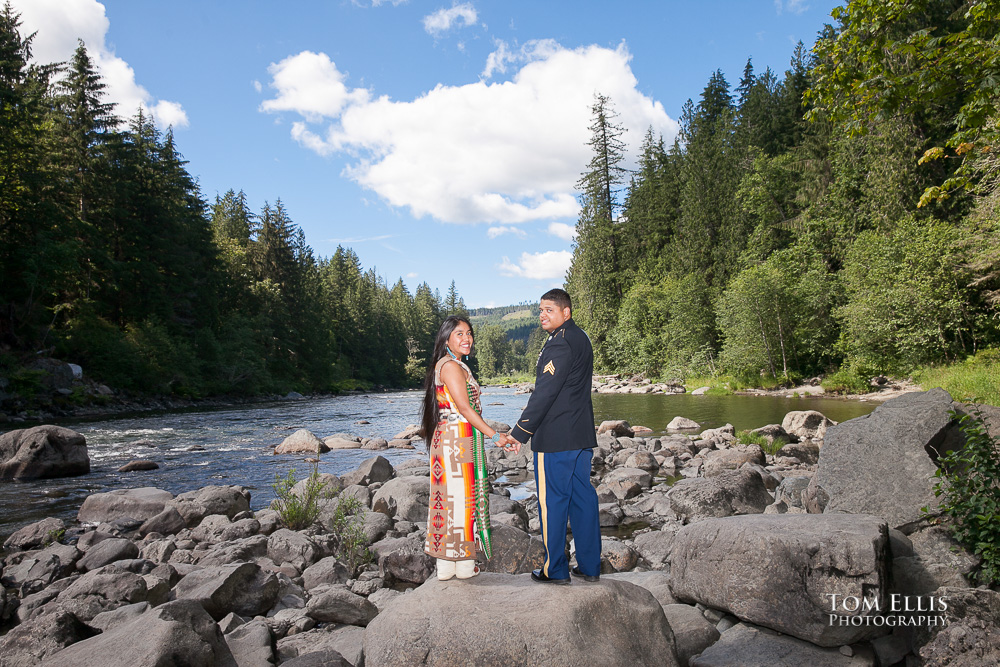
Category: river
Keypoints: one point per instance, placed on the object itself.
(233, 446)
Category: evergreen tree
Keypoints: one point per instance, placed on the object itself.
(595, 281)
(29, 242)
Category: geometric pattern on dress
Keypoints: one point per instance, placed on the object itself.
(458, 509)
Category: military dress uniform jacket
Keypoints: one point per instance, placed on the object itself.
(559, 416)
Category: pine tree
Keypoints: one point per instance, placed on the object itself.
(595, 280)
(29, 237)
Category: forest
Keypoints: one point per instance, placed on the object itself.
(839, 219)
(114, 260)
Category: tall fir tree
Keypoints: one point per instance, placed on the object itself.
(594, 280)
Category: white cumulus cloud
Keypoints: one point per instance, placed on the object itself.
(503, 152)
(500, 230)
(562, 230)
(551, 265)
(310, 84)
(60, 23)
(444, 20)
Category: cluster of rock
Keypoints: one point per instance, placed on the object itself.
(735, 562)
(304, 441)
(617, 384)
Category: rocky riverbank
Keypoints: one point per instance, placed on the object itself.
(61, 391)
(717, 553)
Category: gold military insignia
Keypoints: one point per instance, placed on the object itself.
(550, 368)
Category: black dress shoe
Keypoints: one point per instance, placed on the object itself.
(537, 575)
(586, 577)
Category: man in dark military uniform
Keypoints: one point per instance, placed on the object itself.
(559, 420)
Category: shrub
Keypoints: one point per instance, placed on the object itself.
(352, 544)
(299, 510)
(750, 438)
(847, 380)
(967, 479)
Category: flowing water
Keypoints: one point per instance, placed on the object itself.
(233, 446)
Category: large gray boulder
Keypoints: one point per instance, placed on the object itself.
(657, 583)
(251, 644)
(884, 463)
(40, 568)
(719, 461)
(107, 551)
(692, 631)
(337, 604)
(343, 641)
(37, 639)
(968, 636)
(403, 559)
(375, 469)
(654, 547)
(175, 633)
(43, 452)
(404, 498)
(294, 548)
(732, 492)
(327, 571)
(935, 560)
(744, 644)
(196, 505)
(242, 588)
(36, 534)
(514, 621)
(806, 424)
(779, 571)
(514, 551)
(302, 441)
(98, 591)
(140, 504)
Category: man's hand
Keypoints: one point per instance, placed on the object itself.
(509, 444)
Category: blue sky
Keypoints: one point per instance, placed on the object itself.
(439, 140)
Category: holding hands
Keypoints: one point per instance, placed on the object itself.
(508, 443)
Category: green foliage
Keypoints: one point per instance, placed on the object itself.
(595, 280)
(769, 446)
(299, 510)
(847, 380)
(977, 375)
(110, 253)
(908, 300)
(938, 60)
(492, 350)
(346, 524)
(54, 536)
(26, 383)
(665, 330)
(967, 484)
(775, 317)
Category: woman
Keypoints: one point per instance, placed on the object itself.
(458, 515)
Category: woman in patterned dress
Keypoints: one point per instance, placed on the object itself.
(458, 513)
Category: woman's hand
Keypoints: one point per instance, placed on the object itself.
(509, 444)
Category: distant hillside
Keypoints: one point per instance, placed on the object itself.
(517, 321)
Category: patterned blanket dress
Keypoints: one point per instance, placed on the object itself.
(458, 514)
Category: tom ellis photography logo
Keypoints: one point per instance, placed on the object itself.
(898, 610)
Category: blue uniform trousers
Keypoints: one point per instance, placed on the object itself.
(565, 492)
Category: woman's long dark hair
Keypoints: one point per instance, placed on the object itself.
(429, 415)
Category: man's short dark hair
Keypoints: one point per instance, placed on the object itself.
(559, 297)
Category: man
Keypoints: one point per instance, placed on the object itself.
(559, 420)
